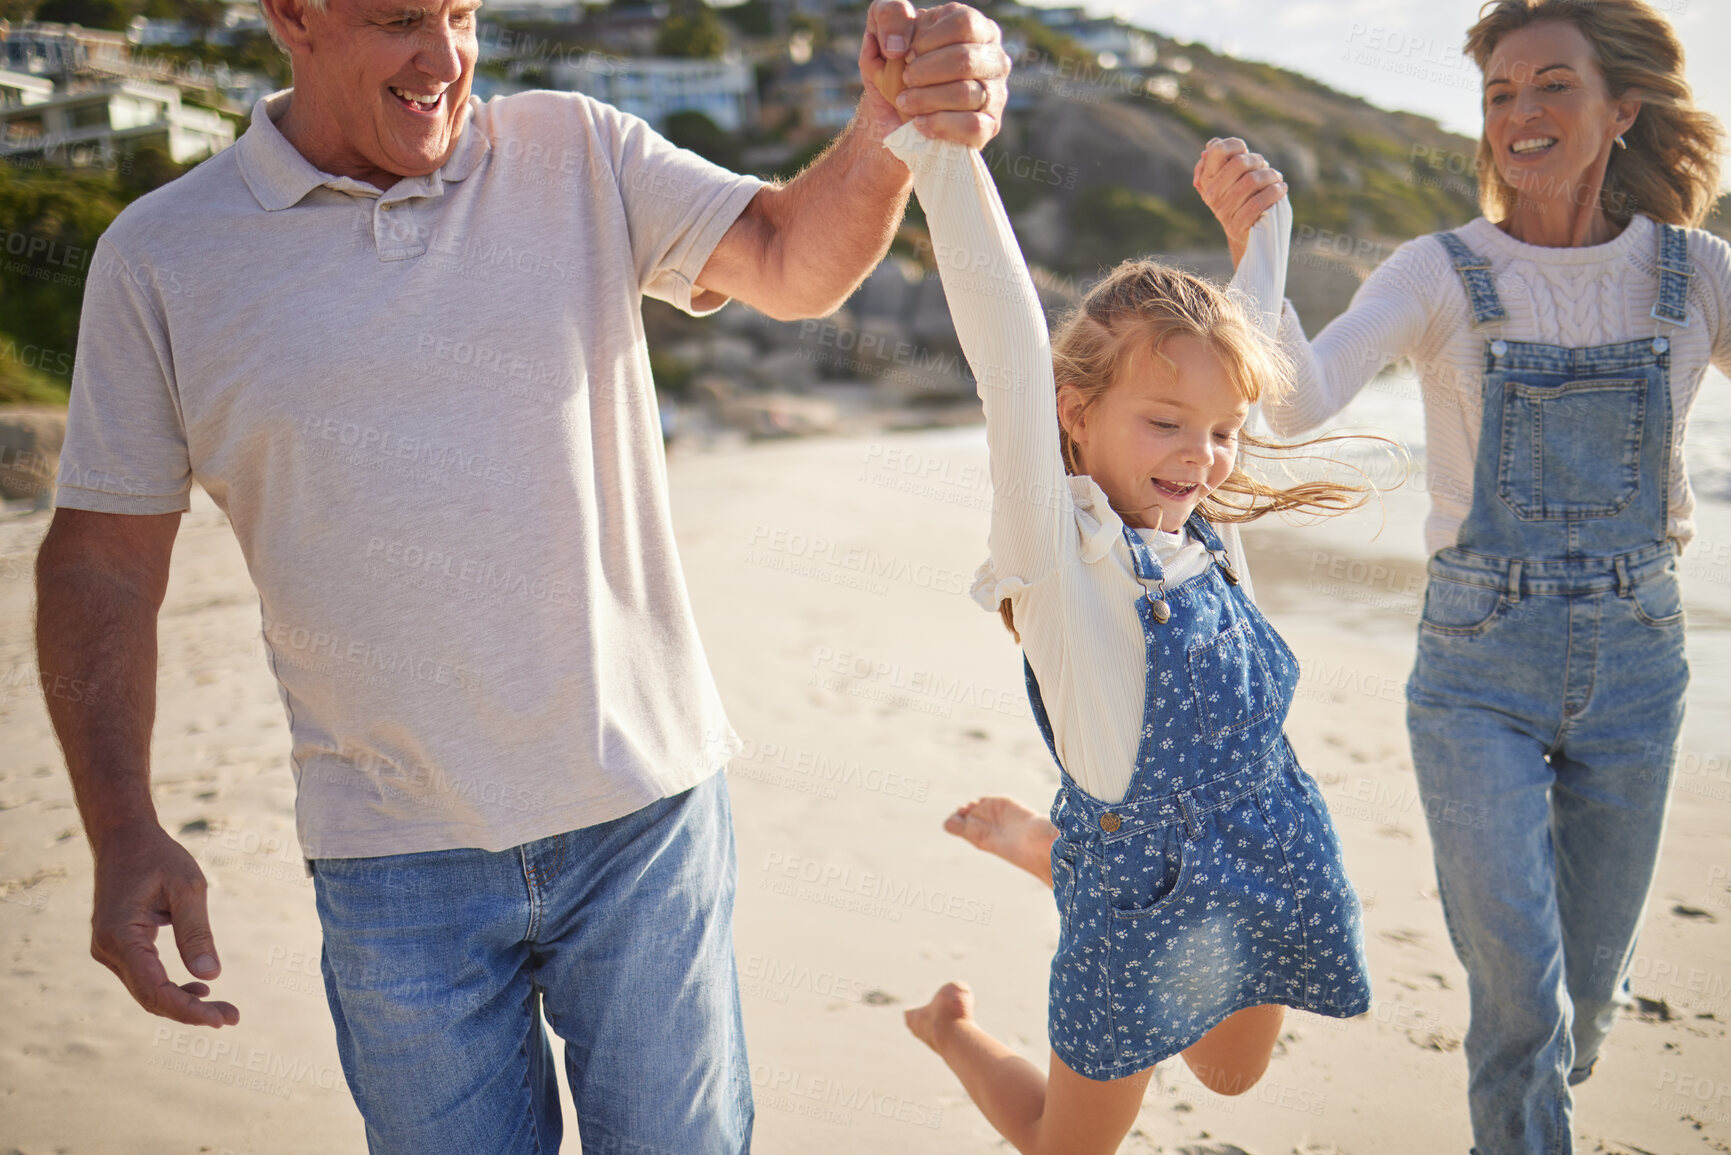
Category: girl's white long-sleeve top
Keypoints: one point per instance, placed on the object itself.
(1057, 548)
(1414, 306)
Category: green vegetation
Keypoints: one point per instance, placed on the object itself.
(672, 375)
(693, 30)
(1043, 44)
(697, 132)
(752, 18)
(21, 382)
(1111, 222)
(203, 16)
(49, 222)
(113, 15)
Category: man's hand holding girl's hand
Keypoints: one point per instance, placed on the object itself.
(954, 71)
(1238, 186)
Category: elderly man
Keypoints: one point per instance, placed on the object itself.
(395, 333)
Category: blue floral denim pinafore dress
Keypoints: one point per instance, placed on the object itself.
(1216, 884)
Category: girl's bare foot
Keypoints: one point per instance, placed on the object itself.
(1004, 827)
(953, 1003)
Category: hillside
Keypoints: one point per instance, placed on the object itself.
(1354, 169)
(1093, 163)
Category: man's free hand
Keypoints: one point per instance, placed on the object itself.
(954, 71)
(146, 880)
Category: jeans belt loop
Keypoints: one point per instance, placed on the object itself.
(1515, 581)
(1624, 585)
(1192, 829)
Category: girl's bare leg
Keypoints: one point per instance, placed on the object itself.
(1231, 1058)
(1059, 1114)
(1004, 827)
(1228, 1060)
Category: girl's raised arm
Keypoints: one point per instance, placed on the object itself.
(1260, 285)
(1386, 321)
(1002, 329)
(1260, 280)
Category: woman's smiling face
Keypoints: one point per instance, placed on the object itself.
(1549, 118)
(1163, 436)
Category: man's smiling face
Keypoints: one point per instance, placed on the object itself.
(383, 84)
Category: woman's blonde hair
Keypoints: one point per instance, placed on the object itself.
(1670, 170)
(1127, 318)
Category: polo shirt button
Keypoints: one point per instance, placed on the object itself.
(1110, 822)
(387, 208)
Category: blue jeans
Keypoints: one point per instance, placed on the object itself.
(1544, 725)
(438, 967)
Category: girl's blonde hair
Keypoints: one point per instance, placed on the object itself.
(1670, 170)
(1128, 317)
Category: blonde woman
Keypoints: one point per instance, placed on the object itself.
(1561, 339)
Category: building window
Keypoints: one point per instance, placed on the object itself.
(90, 116)
(22, 129)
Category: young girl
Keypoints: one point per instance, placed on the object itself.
(1197, 875)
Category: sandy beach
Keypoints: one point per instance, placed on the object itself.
(829, 579)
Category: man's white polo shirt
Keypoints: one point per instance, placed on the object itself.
(428, 414)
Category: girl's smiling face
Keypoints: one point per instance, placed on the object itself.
(1164, 434)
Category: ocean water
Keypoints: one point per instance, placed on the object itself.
(1391, 405)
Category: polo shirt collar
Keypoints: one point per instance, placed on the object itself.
(279, 176)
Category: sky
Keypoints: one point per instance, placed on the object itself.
(1399, 54)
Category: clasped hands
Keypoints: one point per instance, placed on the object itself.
(954, 71)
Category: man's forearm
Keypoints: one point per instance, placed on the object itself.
(831, 225)
(96, 651)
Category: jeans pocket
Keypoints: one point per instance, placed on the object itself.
(1657, 601)
(1458, 608)
(1276, 804)
(1144, 874)
(1063, 880)
(1571, 450)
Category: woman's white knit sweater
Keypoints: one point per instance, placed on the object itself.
(1414, 306)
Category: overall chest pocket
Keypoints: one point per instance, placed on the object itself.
(1231, 688)
(1571, 450)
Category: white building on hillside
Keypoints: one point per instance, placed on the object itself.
(655, 87)
(20, 88)
(238, 18)
(61, 49)
(99, 124)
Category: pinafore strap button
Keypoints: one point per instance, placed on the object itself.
(1499, 348)
(1109, 822)
(1661, 344)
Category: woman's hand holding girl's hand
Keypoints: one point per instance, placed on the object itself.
(1238, 186)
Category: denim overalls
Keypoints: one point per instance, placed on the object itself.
(1546, 701)
(1216, 884)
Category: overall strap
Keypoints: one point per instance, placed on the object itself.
(1147, 566)
(1475, 274)
(1674, 274)
(1204, 533)
(1041, 718)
